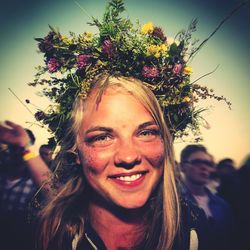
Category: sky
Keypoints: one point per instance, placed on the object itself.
(228, 133)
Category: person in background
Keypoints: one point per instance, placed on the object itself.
(225, 167)
(226, 172)
(198, 165)
(22, 173)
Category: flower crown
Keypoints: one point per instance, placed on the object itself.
(121, 49)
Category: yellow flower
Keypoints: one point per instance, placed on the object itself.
(147, 28)
(163, 47)
(156, 50)
(188, 70)
(186, 99)
(88, 36)
(152, 49)
(66, 39)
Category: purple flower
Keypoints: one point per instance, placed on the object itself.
(108, 48)
(53, 65)
(157, 32)
(82, 61)
(177, 68)
(46, 45)
(150, 72)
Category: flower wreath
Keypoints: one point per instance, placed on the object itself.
(121, 49)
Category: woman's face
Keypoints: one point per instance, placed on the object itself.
(121, 149)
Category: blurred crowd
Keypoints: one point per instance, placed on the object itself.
(220, 190)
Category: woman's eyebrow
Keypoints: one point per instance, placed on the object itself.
(146, 124)
(99, 128)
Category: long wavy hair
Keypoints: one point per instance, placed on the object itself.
(64, 217)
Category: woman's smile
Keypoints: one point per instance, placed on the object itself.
(129, 180)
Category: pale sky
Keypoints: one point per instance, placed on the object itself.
(228, 136)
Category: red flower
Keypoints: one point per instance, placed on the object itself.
(157, 32)
(82, 61)
(150, 71)
(53, 65)
(177, 68)
(108, 48)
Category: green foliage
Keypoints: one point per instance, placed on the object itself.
(120, 48)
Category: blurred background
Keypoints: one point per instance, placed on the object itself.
(226, 132)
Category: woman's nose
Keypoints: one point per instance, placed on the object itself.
(127, 155)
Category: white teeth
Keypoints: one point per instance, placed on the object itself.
(129, 178)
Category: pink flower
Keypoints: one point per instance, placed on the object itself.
(53, 65)
(108, 48)
(177, 68)
(150, 72)
(82, 61)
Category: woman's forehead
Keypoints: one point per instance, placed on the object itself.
(115, 106)
(110, 94)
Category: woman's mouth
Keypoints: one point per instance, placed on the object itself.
(129, 179)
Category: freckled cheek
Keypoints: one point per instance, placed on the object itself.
(154, 154)
(94, 160)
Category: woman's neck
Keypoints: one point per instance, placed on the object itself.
(118, 228)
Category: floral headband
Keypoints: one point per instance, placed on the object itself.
(122, 49)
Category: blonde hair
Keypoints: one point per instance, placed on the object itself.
(165, 206)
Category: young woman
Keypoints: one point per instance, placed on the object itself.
(126, 195)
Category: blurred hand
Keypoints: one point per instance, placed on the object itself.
(14, 134)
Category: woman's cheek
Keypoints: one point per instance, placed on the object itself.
(94, 160)
(154, 154)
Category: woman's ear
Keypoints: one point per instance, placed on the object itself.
(78, 159)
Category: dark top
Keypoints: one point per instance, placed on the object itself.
(192, 218)
(220, 225)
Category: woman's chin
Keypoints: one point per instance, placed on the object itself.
(132, 203)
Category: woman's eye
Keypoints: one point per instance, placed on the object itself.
(149, 133)
(99, 140)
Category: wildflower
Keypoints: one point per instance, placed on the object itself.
(53, 65)
(108, 48)
(153, 50)
(186, 99)
(150, 71)
(88, 36)
(177, 68)
(188, 70)
(46, 45)
(66, 40)
(147, 28)
(82, 61)
(163, 47)
(157, 32)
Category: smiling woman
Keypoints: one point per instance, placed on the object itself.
(122, 155)
(128, 178)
